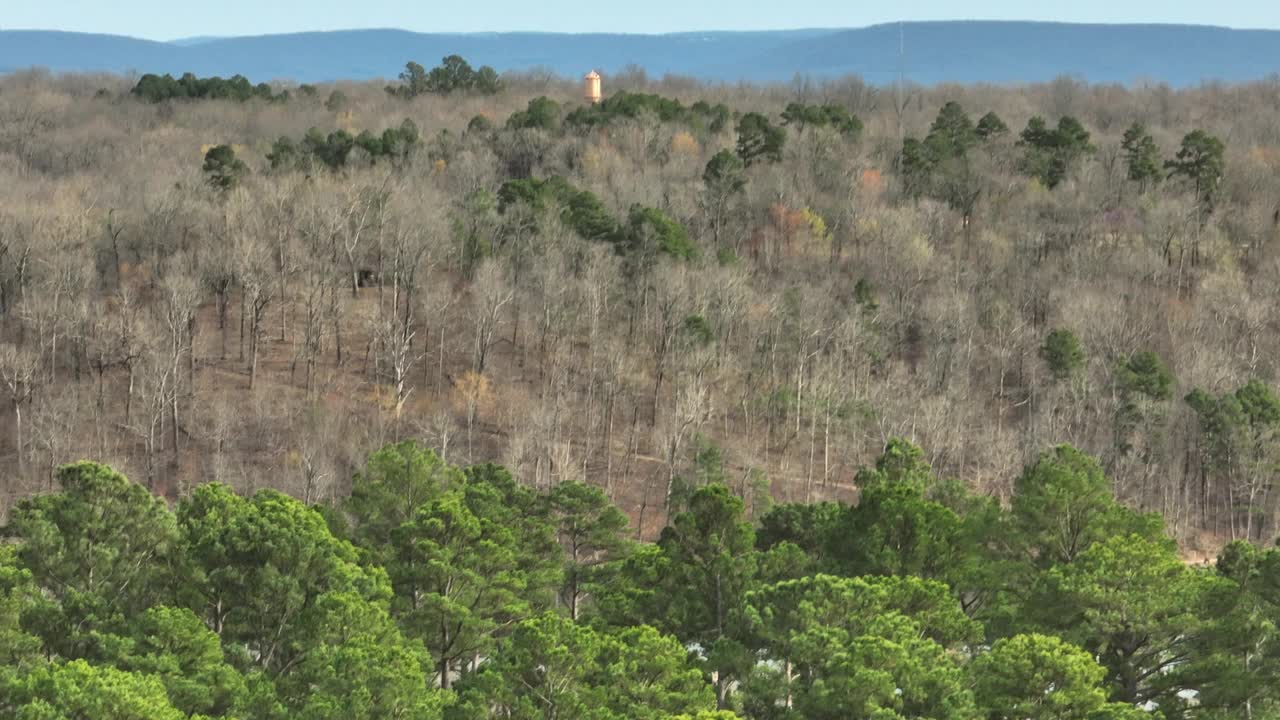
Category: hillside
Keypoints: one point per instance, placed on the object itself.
(936, 52)
(463, 398)
(687, 284)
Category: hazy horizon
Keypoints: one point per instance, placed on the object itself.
(691, 31)
(154, 19)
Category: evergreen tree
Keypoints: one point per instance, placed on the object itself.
(1141, 156)
(1201, 161)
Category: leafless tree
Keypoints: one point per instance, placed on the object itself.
(20, 375)
(490, 293)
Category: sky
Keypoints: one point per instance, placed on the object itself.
(172, 19)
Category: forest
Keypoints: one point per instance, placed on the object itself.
(440, 592)
(460, 396)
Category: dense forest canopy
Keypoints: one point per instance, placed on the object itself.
(662, 349)
(435, 591)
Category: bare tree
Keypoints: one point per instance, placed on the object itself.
(398, 355)
(472, 395)
(253, 267)
(53, 433)
(363, 212)
(490, 293)
(181, 300)
(156, 385)
(20, 376)
(692, 408)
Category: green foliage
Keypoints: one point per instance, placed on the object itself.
(468, 595)
(99, 550)
(991, 127)
(453, 74)
(1063, 353)
(1259, 403)
(1144, 384)
(551, 667)
(864, 293)
(173, 645)
(637, 595)
(158, 88)
(413, 81)
(916, 164)
(848, 605)
(873, 644)
(1238, 659)
(468, 563)
(473, 224)
(361, 668)
(1038, 677)
(1201, 161)
(832, 116)
(1063, 505)
(336, 102)
(939, 165)
(700, 333)
(710, 567)
(724, 179)
(807, 526)
(724, 172)
(222, 169)
(950, 137)
(592, 532)
(759, 139)
(333, 151)
(18, 593)
(895, 529)
(1134, 603)
(708, 458)
(1052, 154)
(396, 481)
(630, 106)
(543, 113)
(1141, 156)
(581, 210)
(80, 690)
(284, 154)
(1145, 374)
(258, 570)
(651, 231)
(1238, 435)
(952, 133)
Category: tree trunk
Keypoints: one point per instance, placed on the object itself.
(174, 417)
(445, 681)
(253, 362)
(17, 412)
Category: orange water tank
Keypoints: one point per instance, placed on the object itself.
(592, 83)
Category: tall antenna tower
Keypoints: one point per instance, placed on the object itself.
(902, 72)
(902, 50)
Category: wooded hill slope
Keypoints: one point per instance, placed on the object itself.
(753, 285)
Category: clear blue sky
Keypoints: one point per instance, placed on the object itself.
(169, 19)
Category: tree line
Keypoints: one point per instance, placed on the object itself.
(158, 88)
(435, 591)
(454, 74)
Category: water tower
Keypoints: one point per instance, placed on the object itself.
(593, 92)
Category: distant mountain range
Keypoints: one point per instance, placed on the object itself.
(936, 52)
